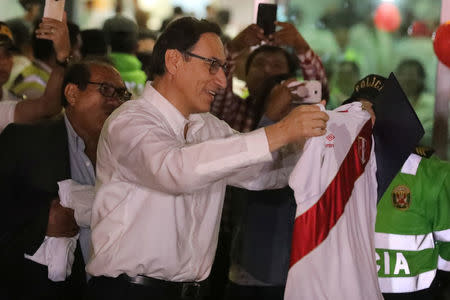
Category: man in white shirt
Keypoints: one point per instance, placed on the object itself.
(162, 167)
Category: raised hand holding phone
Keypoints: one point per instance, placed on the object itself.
(267, 15)
(307, 92)
(56, 31)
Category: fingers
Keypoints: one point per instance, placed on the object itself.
(309, 107)
(257, 31)
(49, 28)
(289, 81)
(368, 106)
(309, 120)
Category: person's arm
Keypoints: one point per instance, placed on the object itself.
(80, 198)
(150, 156)
(310, 63)
(224, 105)
(49, 103)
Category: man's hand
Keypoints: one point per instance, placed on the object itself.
(250, 36)
(302, 122)
(56, 31)
(61, 221)
(367, 106)
(279, 101)
(289, 36)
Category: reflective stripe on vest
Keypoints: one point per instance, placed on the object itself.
(443, 264)
(443, 235)
(411, 164)
(403, 242)
(406, 284)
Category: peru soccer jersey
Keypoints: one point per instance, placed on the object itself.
(335, 189)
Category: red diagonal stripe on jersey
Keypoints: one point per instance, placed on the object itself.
(314, 225)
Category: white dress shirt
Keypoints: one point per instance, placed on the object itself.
(159, 195)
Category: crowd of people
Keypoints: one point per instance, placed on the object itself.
(133, 168)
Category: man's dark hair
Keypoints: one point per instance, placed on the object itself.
(79, 74)
(292, 61)
(21, 34)
(27, 4)
(420, 70)
(121, 34)
(94, 43)
(123, 42)
(43, 49)
(181, 34)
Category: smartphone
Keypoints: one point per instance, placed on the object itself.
(267, 15)
(54, 9)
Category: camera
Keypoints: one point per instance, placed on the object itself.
(308, 92)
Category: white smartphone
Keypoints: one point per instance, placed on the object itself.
(54, 9)
(310, 92)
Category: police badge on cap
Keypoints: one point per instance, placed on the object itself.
(368, 88)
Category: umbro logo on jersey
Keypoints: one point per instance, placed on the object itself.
(330, 138)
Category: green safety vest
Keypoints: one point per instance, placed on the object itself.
(31, 82)
(412, 236)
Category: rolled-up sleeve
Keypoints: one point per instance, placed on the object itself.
(149, 155)
(7, 109)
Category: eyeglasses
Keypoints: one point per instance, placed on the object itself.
(109, 91)
(214, 64)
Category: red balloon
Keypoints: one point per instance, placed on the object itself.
(441, 43)
(419, 29)
(387, 17)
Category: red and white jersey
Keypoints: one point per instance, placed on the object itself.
(336, 193)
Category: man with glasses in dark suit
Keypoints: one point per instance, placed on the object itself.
(44, 163)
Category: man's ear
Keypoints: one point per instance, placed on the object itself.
(71, 92)
(173, 59)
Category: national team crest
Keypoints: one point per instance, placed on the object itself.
(362, 150)
(401, 197)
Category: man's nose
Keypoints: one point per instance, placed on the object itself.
(221, 78)
(114, 101)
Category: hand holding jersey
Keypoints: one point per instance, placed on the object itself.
(302, 122)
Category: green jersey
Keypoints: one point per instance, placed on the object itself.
(412, 237)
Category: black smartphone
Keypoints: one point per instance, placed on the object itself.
(267, 15)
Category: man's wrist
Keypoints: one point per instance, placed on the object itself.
(65, 61)
(277, 135)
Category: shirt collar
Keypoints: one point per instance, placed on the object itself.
(173, 116)
(73, 138)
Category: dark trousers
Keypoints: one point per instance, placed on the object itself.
(109, 288)
(29, 280)
(244, 292)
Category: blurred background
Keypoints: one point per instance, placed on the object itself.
(353, 37)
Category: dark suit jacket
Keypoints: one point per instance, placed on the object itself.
(33, 158)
